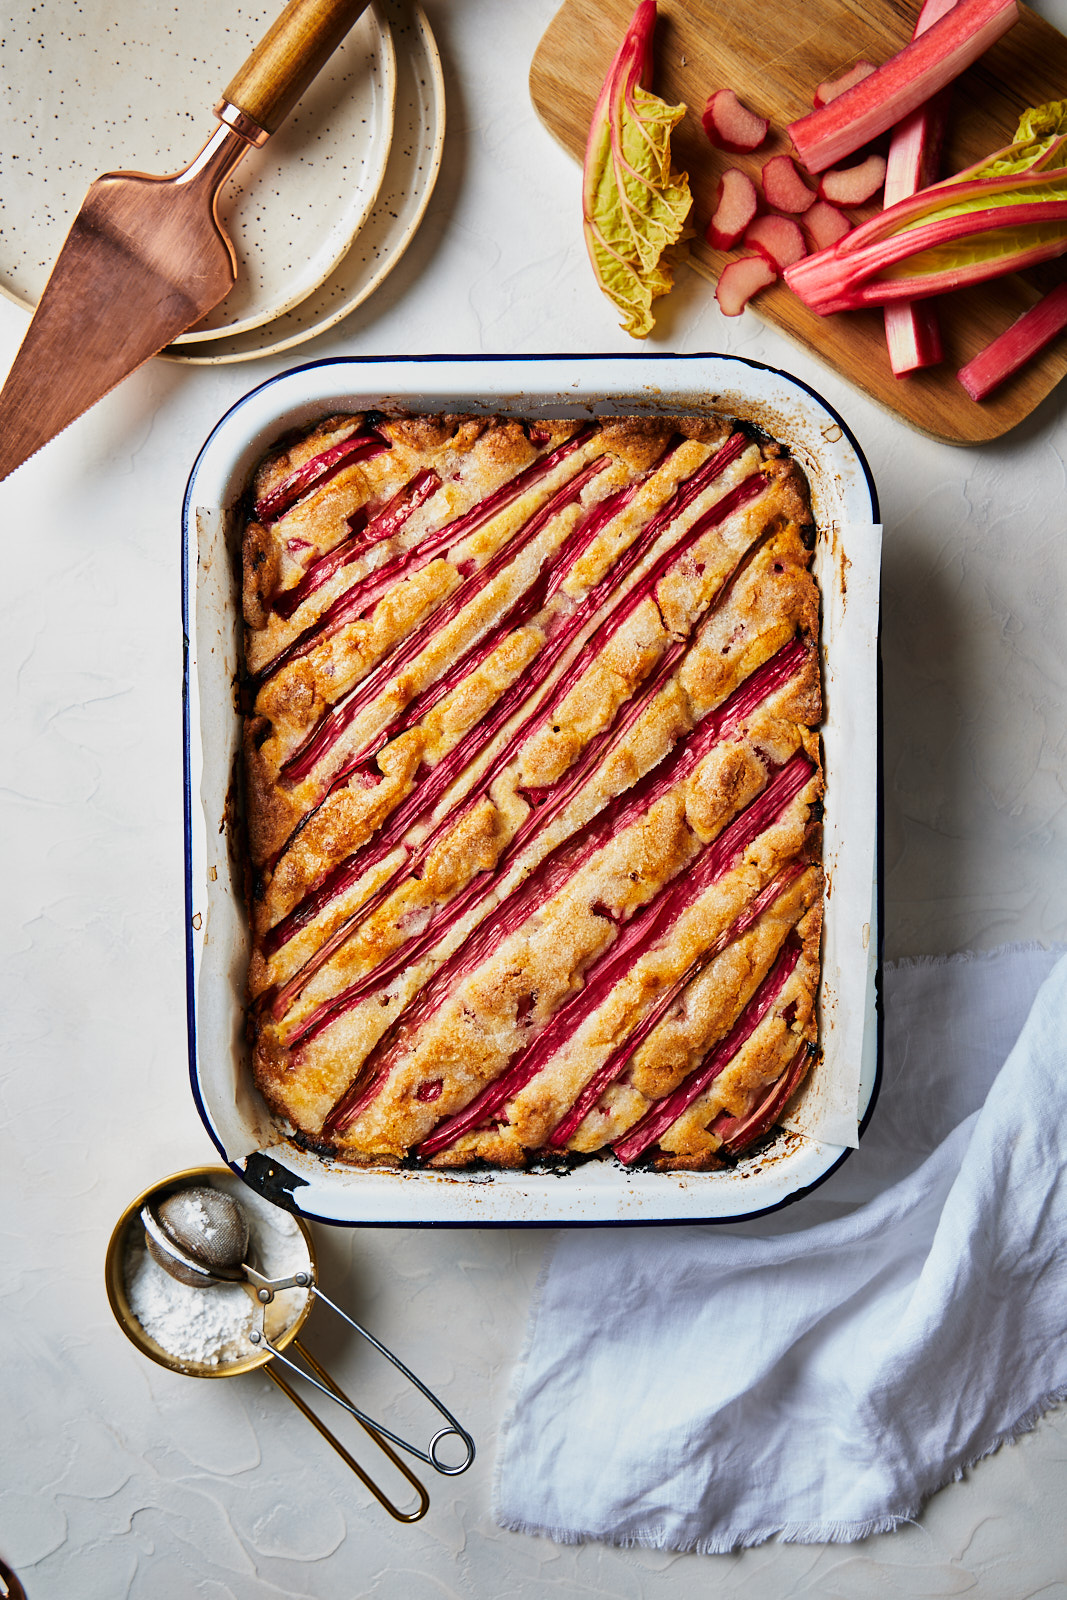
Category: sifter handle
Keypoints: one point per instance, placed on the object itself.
(316, 1421)
(291, 53)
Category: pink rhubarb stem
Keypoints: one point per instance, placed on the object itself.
(645, 930)
(736, 1132)
(317, 472)
(828, 282)
(903, 83)
(912, 327)
(1017, 345)
(549, 877)
(664, 1113)
(360, 597)
(363, 537)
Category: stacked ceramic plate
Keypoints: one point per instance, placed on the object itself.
(318, 217)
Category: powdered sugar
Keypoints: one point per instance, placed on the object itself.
(211, 1326)
(203, 1325)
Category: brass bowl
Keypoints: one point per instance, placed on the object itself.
(127, 1230)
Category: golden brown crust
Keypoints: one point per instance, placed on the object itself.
(492, 809)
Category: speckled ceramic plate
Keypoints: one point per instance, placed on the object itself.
(847, 567)
(97, 87)
(414, 162)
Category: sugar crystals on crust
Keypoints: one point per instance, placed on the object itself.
(533, 787)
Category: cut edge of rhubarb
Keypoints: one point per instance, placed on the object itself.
(925, 65)
(1010, 351)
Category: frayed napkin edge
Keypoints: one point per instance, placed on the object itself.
(789, 1532)
(962, 958)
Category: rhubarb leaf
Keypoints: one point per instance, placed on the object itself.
(634, 205)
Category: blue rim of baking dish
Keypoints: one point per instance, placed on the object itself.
(270, 1178)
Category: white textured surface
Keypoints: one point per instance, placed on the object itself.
(117, 1478)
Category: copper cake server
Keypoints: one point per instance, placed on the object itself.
(146, 257)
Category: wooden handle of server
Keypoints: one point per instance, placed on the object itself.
(288, 57)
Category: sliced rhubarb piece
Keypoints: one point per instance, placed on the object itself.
(620, 1058)
(833, 87)
(547, 878)
(904, 82)
(778, 239)
(318, 471)
(362, 595)
(737, 1132)
(912, 328)
(641, 934)
(824, 225)
(783, 187)
(851, 186)
(735, 207)
(1017, 345)
(364, 535)
(732, 126)
(663, 1113)
(740, 280)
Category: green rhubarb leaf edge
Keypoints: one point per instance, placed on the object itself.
(634, 204)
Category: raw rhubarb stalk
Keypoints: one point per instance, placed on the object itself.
(547, 878)
(363, 536)
(361, 596)
(1003, 213)
(645, 930)
(852, 186)
(824, 225)
(1017, 345)
(316, 472)
(904, 82)
(736, 206)
(737, 1132)
(912, 328)
(825, 92)
(779, 239)
(740, 280)
(620, 1058)
(344, 711)
(732, 126)
(634, 204)
(662, 1114)
(450, 766)
(783, 187)
(950, 252)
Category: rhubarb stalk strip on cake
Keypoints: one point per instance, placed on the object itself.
(533, 788)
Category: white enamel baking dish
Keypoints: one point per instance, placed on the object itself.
(847, 566)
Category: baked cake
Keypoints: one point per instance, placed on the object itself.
(533, 788)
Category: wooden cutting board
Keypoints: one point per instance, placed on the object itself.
(772, 53)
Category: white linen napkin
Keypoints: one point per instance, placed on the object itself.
(817, 1374)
